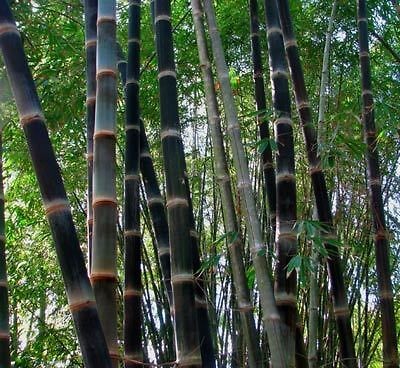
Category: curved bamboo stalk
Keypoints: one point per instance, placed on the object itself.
(58, 212)
(235, 244)
(272, 322)
(90, 45)
(382, 249)
(5, 359)
(262, 121)
(104, 270)
(338, 289)
(286, 238)
(133, 283)
(183, 287)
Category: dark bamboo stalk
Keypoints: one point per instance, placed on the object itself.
(90, 45)
(338, 289)
(132, 235)
(262, 121)
(382, 249)
(222, 176)
(5, 359)
(58, 212)
(183, 287)
(104, 269)
(286, 239)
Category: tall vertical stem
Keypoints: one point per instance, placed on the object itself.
(382, 249)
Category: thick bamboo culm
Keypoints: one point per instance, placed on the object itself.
(262, 121)
(338, 289)
(271, 320)
(286, 238)
(132, 236)
(58, 212)
(182, 278)
(104, 269)
(382, 249)
(5, 359)
(90, 45)
(235, 243)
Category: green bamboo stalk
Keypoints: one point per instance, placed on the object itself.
(90, 45)
(338, 289)
(262, 121)
(104, 270)
(5, 359)
(80, 296)
(382, 249)
(235, 243)
(183, 287)
(271, 319)
(132, 235)
(286, 238)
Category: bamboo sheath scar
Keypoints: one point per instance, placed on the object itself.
(338, 289)
(286, 239)
(221, 170)
(272, 323)
(185, 318)
(382, 249)
(104, 269)
(79, 292)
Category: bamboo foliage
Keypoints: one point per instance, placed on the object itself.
(58, 212)
(5, 359)
(133, 284)
(90, 45)
(382, 249)
(235, 245)
(338, 289)
(271, 320)
(103, 273)
(182, 279)
(286, 239)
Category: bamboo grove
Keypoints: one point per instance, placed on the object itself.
(199, 183)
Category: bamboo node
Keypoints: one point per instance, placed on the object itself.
(30, 118)
(114, 355)
(162, 17)
(194, 234)
(102, 276)
(272, 30)
(290, 43)
(90, 100)
(4, 336)
(57, 205)
(132, 233)
(314, 170)
(200, 303)
(103, 133)
(283, 120)
(105, 19)
(242, 184)
(9, 28)
(106, 73)
(134, 40)
(155, 200)
(362, 19)
(286, 236)
(99, 201)
(285, 177)
(268, 165)
(386, 294)
(381, 235)
(174, 202)
(4, 284)
(134, 3)
(89, 156)
(366, 92)
(2, 237)
(181, 278)
(132, 177)
(90, 221)
(371, 134)
(130, 126)
(167, 73)
(278, 73)
(170, 133)
(233, 126)
(90, 43)
(245, 308)
(223, 178)
(132, 81)
(375, 182)
(145, 154)
(363, 54)
(162, 251)
(341, 311)
(74, 307)
(302, 105)
(129, 293)
(254, 34)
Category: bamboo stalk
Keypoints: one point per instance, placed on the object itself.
(271, 319)
(58, 212)
(382, 249)
(338, 289)
(104, 271)
(183, 287)
(286, 239)
(132, 235)
(5, 359)
(90, 45)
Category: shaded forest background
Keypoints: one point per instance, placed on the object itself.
(53, 34)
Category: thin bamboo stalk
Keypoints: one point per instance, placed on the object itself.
(382, 249)
(272, 323)
(338, 289)
(262, 121)
(104, 271)
(58, 212)
(235, 243)
(132, 235)
(5, 359)
(90, 45)
(183, 287)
